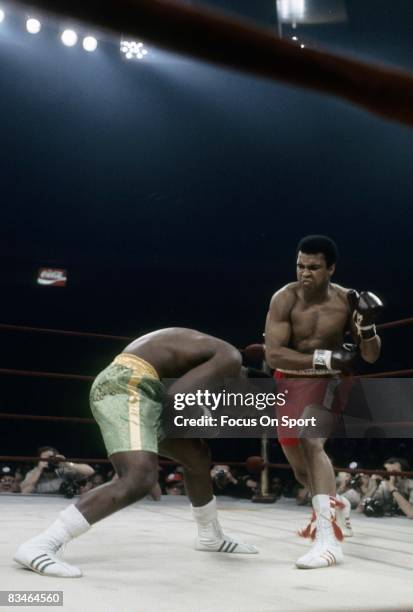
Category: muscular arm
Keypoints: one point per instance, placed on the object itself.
(278, 332)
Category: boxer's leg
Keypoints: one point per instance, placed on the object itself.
(326, 549)
(295, 456)
(194, 455)
(137, 472)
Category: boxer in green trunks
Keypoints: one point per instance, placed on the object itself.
(127, 399)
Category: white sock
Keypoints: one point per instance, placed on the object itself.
(205, 514)
(70, 524)
(207, 521)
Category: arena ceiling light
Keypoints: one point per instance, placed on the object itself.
(33, 26)
(69, 38)
(132, 49)
(90, 43)
(1, 15)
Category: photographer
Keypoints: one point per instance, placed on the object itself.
(53, 474)
(390, 494)
(353, 487)
(223, 480)
(225, 483)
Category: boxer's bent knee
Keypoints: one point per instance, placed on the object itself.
(133, 487)
(312, 445)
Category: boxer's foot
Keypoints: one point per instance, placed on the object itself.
(44, 560)
(321, 556)
(326, 549)
(225, 545)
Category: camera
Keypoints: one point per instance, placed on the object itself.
(221, 478)
(355, 481)
(373, 507)
(68, 489)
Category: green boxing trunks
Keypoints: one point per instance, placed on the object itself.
(126, 402)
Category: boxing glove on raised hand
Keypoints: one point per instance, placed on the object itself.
(366, 307)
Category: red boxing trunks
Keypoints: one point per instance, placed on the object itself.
(328, 392)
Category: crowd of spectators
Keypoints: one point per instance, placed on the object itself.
(372, 494)
(379, 495)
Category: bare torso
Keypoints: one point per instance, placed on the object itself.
(298, 324)
(318, 325)
(176, 350)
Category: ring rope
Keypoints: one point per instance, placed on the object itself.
(275, 466)
(67, 332)
(12, 372)
(62, 332)
(38, 417)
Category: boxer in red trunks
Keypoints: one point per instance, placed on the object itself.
(304, 336)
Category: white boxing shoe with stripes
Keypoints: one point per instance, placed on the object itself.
(326, 550)
(44, 560)
(42, 554)
(321, 555)
(211, 538)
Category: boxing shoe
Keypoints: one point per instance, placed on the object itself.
(309, 530)
(326, 549)
(37, 556)
(343, 510)
(321, 555)
(212, 539)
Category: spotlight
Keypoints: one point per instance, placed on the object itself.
(69, 38)
(132, 49)
(90, 43)
(33, 26)
(1, 15)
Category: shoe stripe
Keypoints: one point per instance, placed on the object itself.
(43, 563)
(44, 566)
(33, 561)
(233, 547)
(327, 558)
(36, 565)
(330, 556)
(222, 546)
(228, 546)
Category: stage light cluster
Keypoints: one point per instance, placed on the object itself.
(132, 49)
(70, 38)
